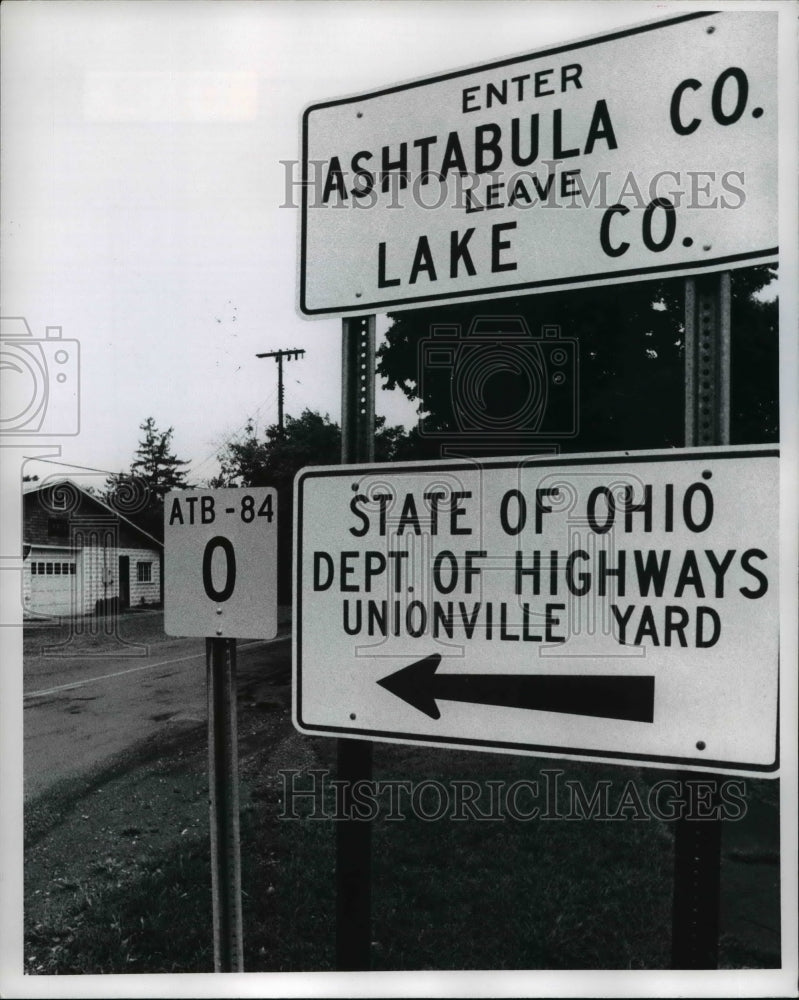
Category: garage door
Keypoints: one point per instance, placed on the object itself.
(52, 583)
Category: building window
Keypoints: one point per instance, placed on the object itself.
(58, 527)
(53, 569)
(144, 572)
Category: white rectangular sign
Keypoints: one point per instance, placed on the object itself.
(649, 151)
(621, 607)
(220, 563)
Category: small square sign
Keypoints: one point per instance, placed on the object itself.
(220, 563)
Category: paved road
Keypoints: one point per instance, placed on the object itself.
(93, 699)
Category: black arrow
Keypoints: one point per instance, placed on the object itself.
(605, 696)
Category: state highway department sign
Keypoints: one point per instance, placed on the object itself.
(648, 151)
(617, 607)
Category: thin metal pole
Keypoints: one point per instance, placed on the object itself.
(707, 360)
(223, 785)
(358, 389)
(697, 842)
(353, 836)
(697, 885)
(280, 392)
(353, 863)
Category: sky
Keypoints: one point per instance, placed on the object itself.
(145, 187)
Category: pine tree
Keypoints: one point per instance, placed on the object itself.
(155, 462)
(139, 494)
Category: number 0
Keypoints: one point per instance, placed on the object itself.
(230, 568)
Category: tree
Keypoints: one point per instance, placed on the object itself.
(139, 494)
(310, 439)
(623, 371)
(156, 464)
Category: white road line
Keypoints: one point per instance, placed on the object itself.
(146, 666)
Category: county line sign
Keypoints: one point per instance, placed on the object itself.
(649, 151)
(615, 607)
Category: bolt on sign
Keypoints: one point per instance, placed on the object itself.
(616, 607)
(220, 563)
(649, 151)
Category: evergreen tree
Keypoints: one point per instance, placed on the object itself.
(156, 463)
(139, 494)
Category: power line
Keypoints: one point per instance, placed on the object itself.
(72, 465)
(231, 436)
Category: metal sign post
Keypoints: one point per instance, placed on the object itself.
(223, 788)
(354, 837)
(697, 842)
(707, 360)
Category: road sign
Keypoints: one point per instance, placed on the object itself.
(606, 606)
(220, 563)
(649, 151)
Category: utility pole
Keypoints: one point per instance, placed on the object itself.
(294, 354)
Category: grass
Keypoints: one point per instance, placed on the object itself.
(117, 867)
(508, 894)
(138, 918)
(467, 895)
(118, 871)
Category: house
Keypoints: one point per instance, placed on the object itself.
(82, 556)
